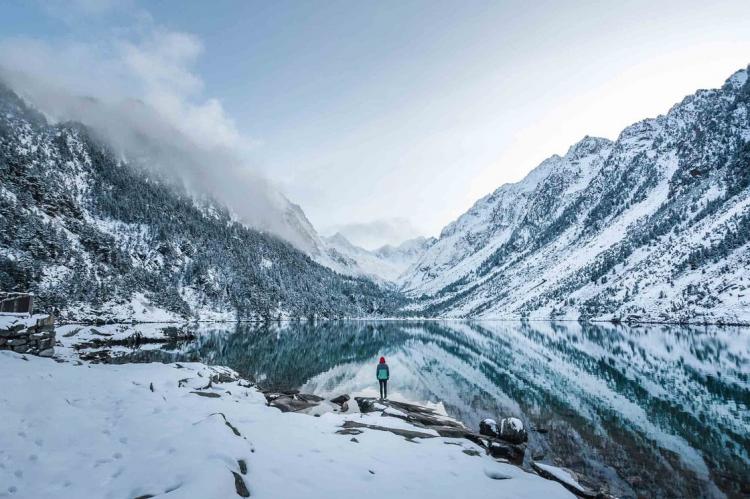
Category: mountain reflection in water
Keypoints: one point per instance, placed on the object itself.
(653, 411)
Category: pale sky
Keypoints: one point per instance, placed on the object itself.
(367, 112)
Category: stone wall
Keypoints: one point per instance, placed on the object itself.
(28, 334)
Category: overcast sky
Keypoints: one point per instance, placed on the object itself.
(390, 112)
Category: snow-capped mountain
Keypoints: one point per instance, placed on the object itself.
(384, 265)
(98, 236)
(652, 226)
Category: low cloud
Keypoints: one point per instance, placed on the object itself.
(377, 233)
(141, 95)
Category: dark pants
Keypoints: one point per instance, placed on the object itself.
(383, 388)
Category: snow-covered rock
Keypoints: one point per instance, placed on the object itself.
(488, 427)
(512, 430)
(565, 477)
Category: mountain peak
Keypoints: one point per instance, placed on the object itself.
(586, 146)
(738, 79)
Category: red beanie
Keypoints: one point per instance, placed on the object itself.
(382, 360)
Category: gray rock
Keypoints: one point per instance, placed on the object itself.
(208, 394)
(512, 430)
(341, 399)
(488, 427)
(291, 403)
(243, 466)
(578, 489)
(365, 404)
(46, 321)
(49, 352)
(512, 452)
(309, 397)
(223, 377)
(13, 342)
(12, 331)
(239, 485)
(409, 434)
(72, 333)
(349, 431)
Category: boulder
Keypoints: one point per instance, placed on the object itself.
(365, 404)
(49, 352)
(224, 377)
(488, 427)
(502, 450)
(512, 430)
(341, 399)
(293, 402)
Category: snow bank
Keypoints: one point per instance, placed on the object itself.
(71, 429)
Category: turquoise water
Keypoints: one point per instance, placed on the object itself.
(656, 411)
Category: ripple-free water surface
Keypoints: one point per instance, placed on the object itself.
(654, 411)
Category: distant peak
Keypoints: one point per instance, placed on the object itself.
(340, 239)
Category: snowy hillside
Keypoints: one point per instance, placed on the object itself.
(652, 226)
(98, 236)
(384, 265)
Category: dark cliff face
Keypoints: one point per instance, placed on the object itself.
(92, 235)
(650, 225)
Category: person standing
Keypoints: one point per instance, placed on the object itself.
(383, 374)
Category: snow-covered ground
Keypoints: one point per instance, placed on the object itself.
(72, 429)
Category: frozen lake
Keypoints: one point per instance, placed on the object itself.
(657, 411)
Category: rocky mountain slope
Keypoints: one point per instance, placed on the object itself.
(653, 226)
(95, 235)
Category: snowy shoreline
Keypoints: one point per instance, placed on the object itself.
(76, 429)
(613, 321)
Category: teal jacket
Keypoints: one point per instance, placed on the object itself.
(382, 372)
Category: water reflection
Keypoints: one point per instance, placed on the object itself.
(658, 411)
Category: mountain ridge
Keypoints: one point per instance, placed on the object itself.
(95, 236)
(540, 247)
